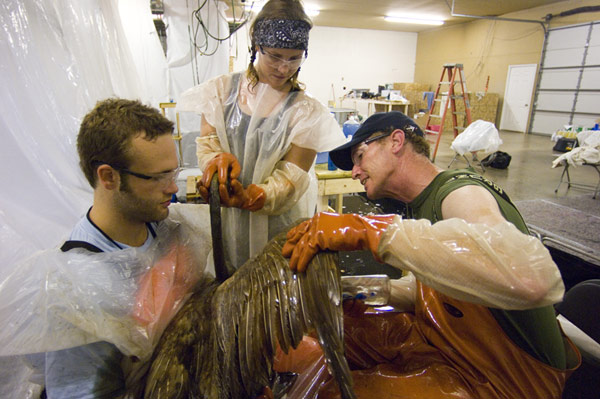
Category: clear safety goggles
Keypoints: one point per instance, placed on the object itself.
(362, 147)
(163, 179)
(276, 61)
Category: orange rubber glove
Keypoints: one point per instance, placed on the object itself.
(227, 167)
(163, 288)
(336, 232)
(251, 198)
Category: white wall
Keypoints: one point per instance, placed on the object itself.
(357, 58)
(351, 58)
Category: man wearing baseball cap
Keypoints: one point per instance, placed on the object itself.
(478, 320)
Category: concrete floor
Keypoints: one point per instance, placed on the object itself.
(530, 174)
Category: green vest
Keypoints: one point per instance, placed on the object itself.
(535, 330)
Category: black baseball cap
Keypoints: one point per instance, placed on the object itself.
(342, 156)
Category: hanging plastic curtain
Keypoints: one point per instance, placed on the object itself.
(197, 48)
(59, 57)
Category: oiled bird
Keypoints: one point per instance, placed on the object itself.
(222, 342)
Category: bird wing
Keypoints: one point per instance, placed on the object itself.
(222, 342)
(185, 348)
(264, 304)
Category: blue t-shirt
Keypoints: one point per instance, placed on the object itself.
(86, 231)
(89, 371)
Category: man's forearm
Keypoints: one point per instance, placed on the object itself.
(493, 266)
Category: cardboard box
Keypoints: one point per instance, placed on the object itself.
(421, 119)
(411, 87)
(413, 92)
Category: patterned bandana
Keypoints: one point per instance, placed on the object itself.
(282, 33)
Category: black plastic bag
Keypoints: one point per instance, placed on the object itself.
(498, 160)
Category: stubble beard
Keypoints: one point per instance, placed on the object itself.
(136, 209)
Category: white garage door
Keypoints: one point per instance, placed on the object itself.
(568, 91)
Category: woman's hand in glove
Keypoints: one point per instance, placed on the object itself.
(251, 198)
(225, 165)
(336, 232)
(235, 196)
(227, 168)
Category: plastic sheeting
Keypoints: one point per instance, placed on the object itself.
(59, 57)
(55, 300)
(187, 67)
(494, 266)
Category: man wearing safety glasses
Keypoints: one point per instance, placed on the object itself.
(476, 317)
(128, 156)
(128, 267)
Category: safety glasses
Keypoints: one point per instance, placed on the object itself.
(163, 179)
(276, 61)
(362, 147)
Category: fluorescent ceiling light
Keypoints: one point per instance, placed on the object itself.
(311, 12)
(409, 20)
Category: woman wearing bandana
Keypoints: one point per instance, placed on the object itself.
(261, 132)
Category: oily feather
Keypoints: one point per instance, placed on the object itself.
(185, 349)
(222, 342)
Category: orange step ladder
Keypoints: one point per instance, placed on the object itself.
(440, 105)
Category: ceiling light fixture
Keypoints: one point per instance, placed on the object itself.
(409, 20)
(311, 12)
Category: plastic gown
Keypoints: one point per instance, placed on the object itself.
(56, 300)
(259, 126)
